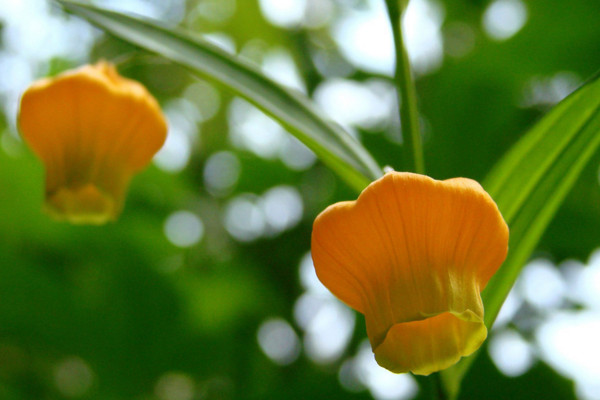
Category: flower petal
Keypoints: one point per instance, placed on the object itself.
(92, 127)
(409, 249)
(430, 344)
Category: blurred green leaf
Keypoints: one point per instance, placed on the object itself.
(529, 184)
(293, 110)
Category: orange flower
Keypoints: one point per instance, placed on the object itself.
(93, 129)
(412, 254)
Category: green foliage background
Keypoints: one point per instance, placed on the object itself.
(134, 306)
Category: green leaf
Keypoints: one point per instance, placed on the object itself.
(334, 146)
(529, 183)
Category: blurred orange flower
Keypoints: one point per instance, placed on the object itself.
(412, 254)
(92, 129)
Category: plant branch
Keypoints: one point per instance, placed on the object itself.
(439, 392)
(407, 99)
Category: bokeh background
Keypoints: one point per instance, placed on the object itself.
(204, 289)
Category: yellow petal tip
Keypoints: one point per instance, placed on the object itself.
(83, 205)
(432, 344)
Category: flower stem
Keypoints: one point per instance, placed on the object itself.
(438, 387)
(405, 87)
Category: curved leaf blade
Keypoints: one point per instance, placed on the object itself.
(529, 184)
(334, 146)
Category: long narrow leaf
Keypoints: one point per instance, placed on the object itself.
(334, 146)
(530, 183)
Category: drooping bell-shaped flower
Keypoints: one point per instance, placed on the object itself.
(413, 254)
(93, 130)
